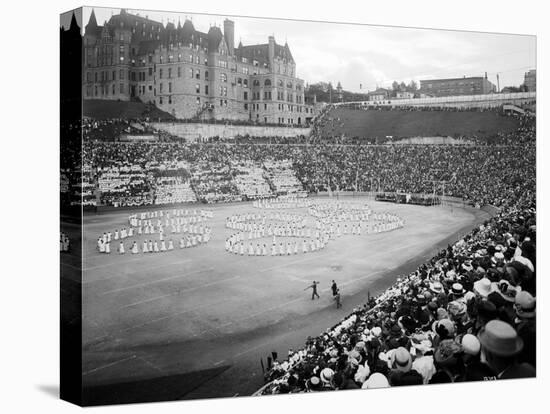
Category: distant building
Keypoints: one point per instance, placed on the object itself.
(477, 85)
(530, 80)
(380, 94)
(192, 74)
(404, 95)
(339, 92)
(422, 95)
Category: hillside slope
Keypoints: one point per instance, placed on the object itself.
(404, 124)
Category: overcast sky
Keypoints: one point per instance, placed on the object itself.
(372, 56)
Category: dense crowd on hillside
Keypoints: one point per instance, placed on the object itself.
(330, 126)
(469, 314)
(133, 172)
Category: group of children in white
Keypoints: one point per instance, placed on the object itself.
(282, 228)
(64, 243)
(289, 233)
(191, 224)
(342, 218)
(283, 202)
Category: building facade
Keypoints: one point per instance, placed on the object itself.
(380, 94)
(530, 81)
(192, 74)
(477, 85)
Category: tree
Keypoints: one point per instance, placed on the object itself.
(395, 86)
(402, 87)
(413, 87)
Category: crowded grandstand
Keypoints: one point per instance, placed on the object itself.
(468, 314)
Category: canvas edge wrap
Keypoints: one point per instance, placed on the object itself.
(71, 51)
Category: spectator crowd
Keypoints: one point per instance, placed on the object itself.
(469, 314)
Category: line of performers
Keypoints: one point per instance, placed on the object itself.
(154, 246)
(281, 203)
(145, 222)
(236, 245)
(190, 223)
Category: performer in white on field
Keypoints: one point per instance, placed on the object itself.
(121, 248)
(101, 245)
(135, 249)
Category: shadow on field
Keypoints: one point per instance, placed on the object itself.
(166, 388)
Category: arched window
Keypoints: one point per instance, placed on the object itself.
(223, 77)
(267, 82)
(280, 84)
(256, 82)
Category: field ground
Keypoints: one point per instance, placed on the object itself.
(195, 323)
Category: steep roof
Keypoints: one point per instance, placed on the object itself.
(261, 52)
(150, 34)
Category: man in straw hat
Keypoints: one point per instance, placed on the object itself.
(500, 347)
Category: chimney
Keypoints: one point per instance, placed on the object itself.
(271, 51)
(229, 34)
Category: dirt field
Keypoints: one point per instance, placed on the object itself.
(205, 317)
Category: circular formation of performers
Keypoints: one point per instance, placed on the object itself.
(284, 233)
(155, 227)
(282, 202)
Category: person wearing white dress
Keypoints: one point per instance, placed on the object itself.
(182, 243)
(101, 246)
(146, 230)
(250, 249)
(273, 250)
(304, 246)
(108, 247)
(241, 249)
(135, 249)
(258, 250)
(170, 245)
(281, 249)
(121, 248)
(99, 243)
(295, 247)
(145, 248)
(109, 236)
(150, 246)
(162, 246)
(155, 247)
(116, 234)
(264, 250)
(131, 232)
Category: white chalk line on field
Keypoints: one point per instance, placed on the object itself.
(109, 365)
(152, 321)
(153, 282)
(217, 282)
(141, 270)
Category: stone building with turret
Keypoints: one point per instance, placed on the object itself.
(192, 74)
